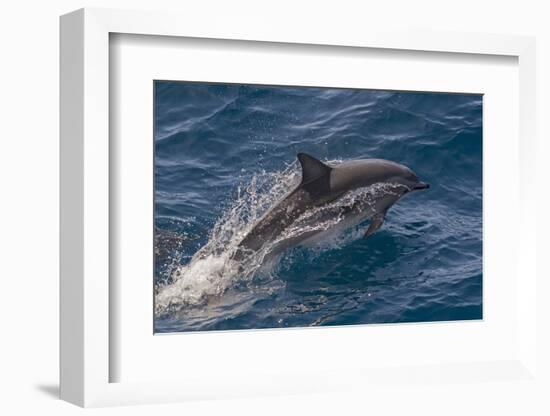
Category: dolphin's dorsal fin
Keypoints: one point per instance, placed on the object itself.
(315, 176)
(312, 169)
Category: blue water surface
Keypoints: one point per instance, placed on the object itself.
(424, 264)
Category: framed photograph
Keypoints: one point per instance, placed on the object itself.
(253, 231)
(283, 211)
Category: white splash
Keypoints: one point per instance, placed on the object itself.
(212, 270)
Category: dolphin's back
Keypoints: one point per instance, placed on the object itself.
(273, 223)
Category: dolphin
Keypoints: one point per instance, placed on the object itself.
(323, 184)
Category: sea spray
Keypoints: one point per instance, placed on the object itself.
(211, 270)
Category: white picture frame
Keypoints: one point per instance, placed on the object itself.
(86, 355)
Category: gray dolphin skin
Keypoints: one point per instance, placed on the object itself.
(323, 184)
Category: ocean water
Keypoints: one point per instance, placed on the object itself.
(225, 154)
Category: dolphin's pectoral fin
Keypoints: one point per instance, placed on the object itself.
(375, 223)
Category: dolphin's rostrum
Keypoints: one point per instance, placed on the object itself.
(323, 184)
